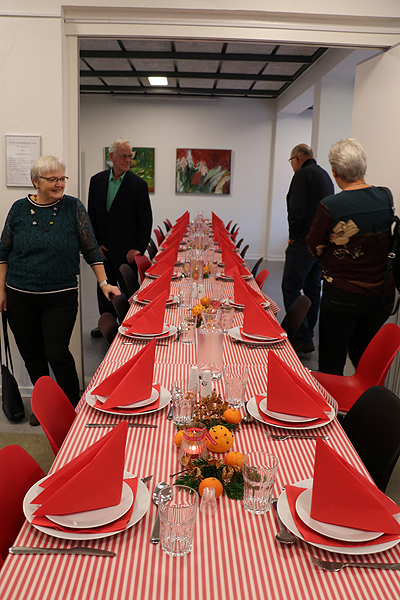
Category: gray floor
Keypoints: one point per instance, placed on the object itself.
(94, 350)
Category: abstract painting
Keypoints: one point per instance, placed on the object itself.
(142, 164)
(203, 171)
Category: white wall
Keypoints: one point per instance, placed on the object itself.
(243, 126)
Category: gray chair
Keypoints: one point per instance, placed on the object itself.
(130, 280)
(109, 327)
(294, 317)
(121, 306)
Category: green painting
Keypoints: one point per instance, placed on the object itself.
(142, 164)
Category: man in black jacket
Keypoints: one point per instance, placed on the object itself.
(120, 211)
(302, 272)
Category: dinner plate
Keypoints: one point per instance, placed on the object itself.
(171, 300)
(98, 517)
(253, 410)
(236, 305)
(175, 275)
(230, 277)
(262, 338)
(140, 508)
(287, 520)
(165, 398)
(284, 417)
(153, 398)
(168, 330)
(234, 333)
(345, 534)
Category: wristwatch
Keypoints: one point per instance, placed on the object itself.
(103, 283)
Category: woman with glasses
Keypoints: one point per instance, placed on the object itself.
(40, 248)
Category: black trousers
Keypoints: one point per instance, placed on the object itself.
(347, 323)
(42, 325)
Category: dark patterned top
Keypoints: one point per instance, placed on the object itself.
(41, 244)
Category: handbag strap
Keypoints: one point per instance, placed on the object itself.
(7, 350)
(392, 253)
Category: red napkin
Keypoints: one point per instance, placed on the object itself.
(288, 393)
(150, 318)
(174, 237)
(278, 423)
(258, 321)
(171, 251)
(162, 266)
(161, 284)
(292, 493)
(232, 264)
(134, 411)
(243, 289)
(130, 383)
(343, 496)
(117, 525)
(91, 480)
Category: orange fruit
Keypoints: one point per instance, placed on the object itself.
(205, 301)
(212, 482)
(223, 437)
(197, 309)
(232, 415)
(178, 438)
(233, 459)
(195, 276)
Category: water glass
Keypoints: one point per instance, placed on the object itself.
(259, 474)
(188, 330)
(226, 319)
(217, 289)
(208, 502)
(178, 510)
(183, 396)
(185, 294)
(235, 379)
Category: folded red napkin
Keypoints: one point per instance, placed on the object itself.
(343, 496)
(150, 318)
(162, 266)
(258, 321)
(134, 411)
(288, 393)
(169, 255)
(243, 289)
(161, 284)
(117, 525)
(130, 383)
(278, 422)
(91, 480)
(174, 237)
(232, 264)
(292, 493)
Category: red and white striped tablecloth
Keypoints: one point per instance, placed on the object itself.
(235, 554)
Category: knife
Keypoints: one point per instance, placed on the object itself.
(115, 424)
(75, 550)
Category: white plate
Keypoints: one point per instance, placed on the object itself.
(168, 330)
(234, 333)
(98, 517)
(236, 305)
(140, 508)
(153, 398)
(283, 416)
(165, 398)
(253, 410)
(175, 274)
(345, 534)
(287, 520)
(262, 338)
(171, 300)
(230, 278)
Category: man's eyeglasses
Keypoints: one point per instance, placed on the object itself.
(291, 158)
(54, 179)
(125, 156)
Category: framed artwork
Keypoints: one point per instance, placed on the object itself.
(142, 164)
(203, 171)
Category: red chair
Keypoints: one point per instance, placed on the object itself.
(169, 223)
(142, 263)
(371, 370)
(261, 277)
(234, 235)
(228, 224)
(53, 410)
(18, 473)
(159, 236)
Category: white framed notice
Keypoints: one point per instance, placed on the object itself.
(22, 151)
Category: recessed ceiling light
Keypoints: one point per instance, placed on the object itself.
(158, 80)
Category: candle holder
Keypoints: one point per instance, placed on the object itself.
(194, 441)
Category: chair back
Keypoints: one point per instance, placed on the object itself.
(240, 242)
(228, 225)
(294, 317)
(161, 231)
(169, 223)
(372, 425)
(254, 270)
(167, 226)
(108, 326)
(261, 277)
(151, 249)
(243, 252)
(159, 236)
(18, 472)
(143, 264)
(233, 228)
(121, 306)
(53, 410)
(129, 279)
(375, 362)
(234, 235)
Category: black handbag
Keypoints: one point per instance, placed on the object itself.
(13, 405)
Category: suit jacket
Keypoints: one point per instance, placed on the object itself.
(129, 222)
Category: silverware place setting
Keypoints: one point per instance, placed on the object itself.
(280, 438)
(328, 565)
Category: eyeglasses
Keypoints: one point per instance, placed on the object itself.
(291, 158)
(54, 179)
(125, 156)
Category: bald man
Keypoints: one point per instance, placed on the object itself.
(302, 272)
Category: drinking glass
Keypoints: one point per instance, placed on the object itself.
(188, 329)
(235, 378)
(227, 314)
(185, 294)
(183, 396)
(217, 289)
(259, 474)
(178, 510)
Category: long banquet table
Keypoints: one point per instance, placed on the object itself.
(235, 554)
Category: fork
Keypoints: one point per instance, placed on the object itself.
(280, 438)
(328, 565)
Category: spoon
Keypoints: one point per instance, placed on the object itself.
(283, 536)
(155, 534)
(247, 418)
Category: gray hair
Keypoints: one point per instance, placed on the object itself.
(348, 158)
(46, 164)
(302, 150)
(114, 145)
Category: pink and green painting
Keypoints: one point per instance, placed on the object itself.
(203, 171)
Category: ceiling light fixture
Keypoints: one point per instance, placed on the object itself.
(158, 80)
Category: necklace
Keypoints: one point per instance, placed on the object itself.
(33, 212)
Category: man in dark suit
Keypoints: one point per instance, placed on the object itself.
(120, 211)
(302, 272)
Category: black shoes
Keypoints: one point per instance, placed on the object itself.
(96, 333)
(304, 348)
(33, 421)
